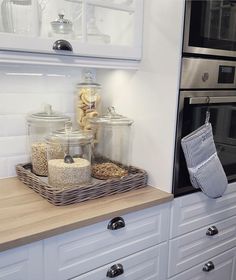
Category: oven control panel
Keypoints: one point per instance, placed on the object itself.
(201, 73)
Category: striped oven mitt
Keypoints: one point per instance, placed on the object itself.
(204, 167)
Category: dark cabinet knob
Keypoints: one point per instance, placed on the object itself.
(116, 223)
(62, 45)
(115, 270)
(212, 231)
(208, 266)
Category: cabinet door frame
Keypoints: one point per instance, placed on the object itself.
(14, 42)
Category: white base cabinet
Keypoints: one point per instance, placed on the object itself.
(203, 235)
(22, 263)
(132, 247)
(80, 251)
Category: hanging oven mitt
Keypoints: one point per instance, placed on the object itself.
(204, 167)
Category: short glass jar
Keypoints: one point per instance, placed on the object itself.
(111, 149)
(62, 26)
(69, 158)
(39, 126)
(87, 101)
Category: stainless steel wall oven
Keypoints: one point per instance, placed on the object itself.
(210, 27)
(206, 84)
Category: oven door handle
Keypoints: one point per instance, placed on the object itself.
(212, 100)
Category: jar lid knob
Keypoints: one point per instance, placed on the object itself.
(111, 111)
(48, 109)
(68, 127)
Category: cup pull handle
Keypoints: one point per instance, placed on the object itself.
(62, 45)
(115, 270)
(116, 223)
(208, 266)
(212, 231)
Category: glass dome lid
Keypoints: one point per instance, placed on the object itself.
(111, 118)
(89, 81)
(47, 115)
(62, 25)
(68, 134)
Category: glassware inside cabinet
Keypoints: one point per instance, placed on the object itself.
(21, 16)
(103, 21)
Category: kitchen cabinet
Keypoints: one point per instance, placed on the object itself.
(203, 232)
(224, 268)
(88, 28)
(134, 245)
(146, 264)
(22, 263)
(95, 248)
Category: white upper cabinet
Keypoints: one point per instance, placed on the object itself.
(88, 28)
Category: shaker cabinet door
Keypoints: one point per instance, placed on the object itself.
(22, 263)
(221, 267)
(91, 28)
(150, 264)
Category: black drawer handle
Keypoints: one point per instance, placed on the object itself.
(115, 270)
(116, 223)
(62, 45)
(212, 231)
(208, 266)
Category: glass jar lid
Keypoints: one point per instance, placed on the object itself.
(47, 115)
(68, 135)
(111, 118)
(89, 81)
(62, 25)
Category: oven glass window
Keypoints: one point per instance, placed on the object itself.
(223, 121)
(212, 24)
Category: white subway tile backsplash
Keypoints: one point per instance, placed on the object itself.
(13, 161)
(13, 146)
(15, 103)
(24, 89)
(3, 167)
(13, 125)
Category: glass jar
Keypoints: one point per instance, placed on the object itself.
(111, 149)
(69, 158)
(40, 125)
(87, 101)
(62, 27)
(21, 16)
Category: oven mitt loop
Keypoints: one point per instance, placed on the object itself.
(204, 167)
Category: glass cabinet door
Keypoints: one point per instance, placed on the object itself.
(102, 28)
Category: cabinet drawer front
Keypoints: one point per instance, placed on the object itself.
(193, 211)
(195, 247)
(149, 264)
(82, 250)
(224, 269)
(22, 263)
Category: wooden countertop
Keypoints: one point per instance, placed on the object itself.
(26, 217)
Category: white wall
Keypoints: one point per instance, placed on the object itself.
(149, 96)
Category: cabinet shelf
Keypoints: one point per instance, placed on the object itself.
(107, 5)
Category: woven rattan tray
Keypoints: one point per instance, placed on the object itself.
(135, 179)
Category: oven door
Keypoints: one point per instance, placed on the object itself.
(210, 27)
(192, 111)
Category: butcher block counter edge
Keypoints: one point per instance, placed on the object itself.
(26, 217)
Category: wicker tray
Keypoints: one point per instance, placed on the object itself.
(136, 179)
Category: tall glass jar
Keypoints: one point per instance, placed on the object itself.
(87, 101)
(111, 151)
(40, 125)
(69, 158)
